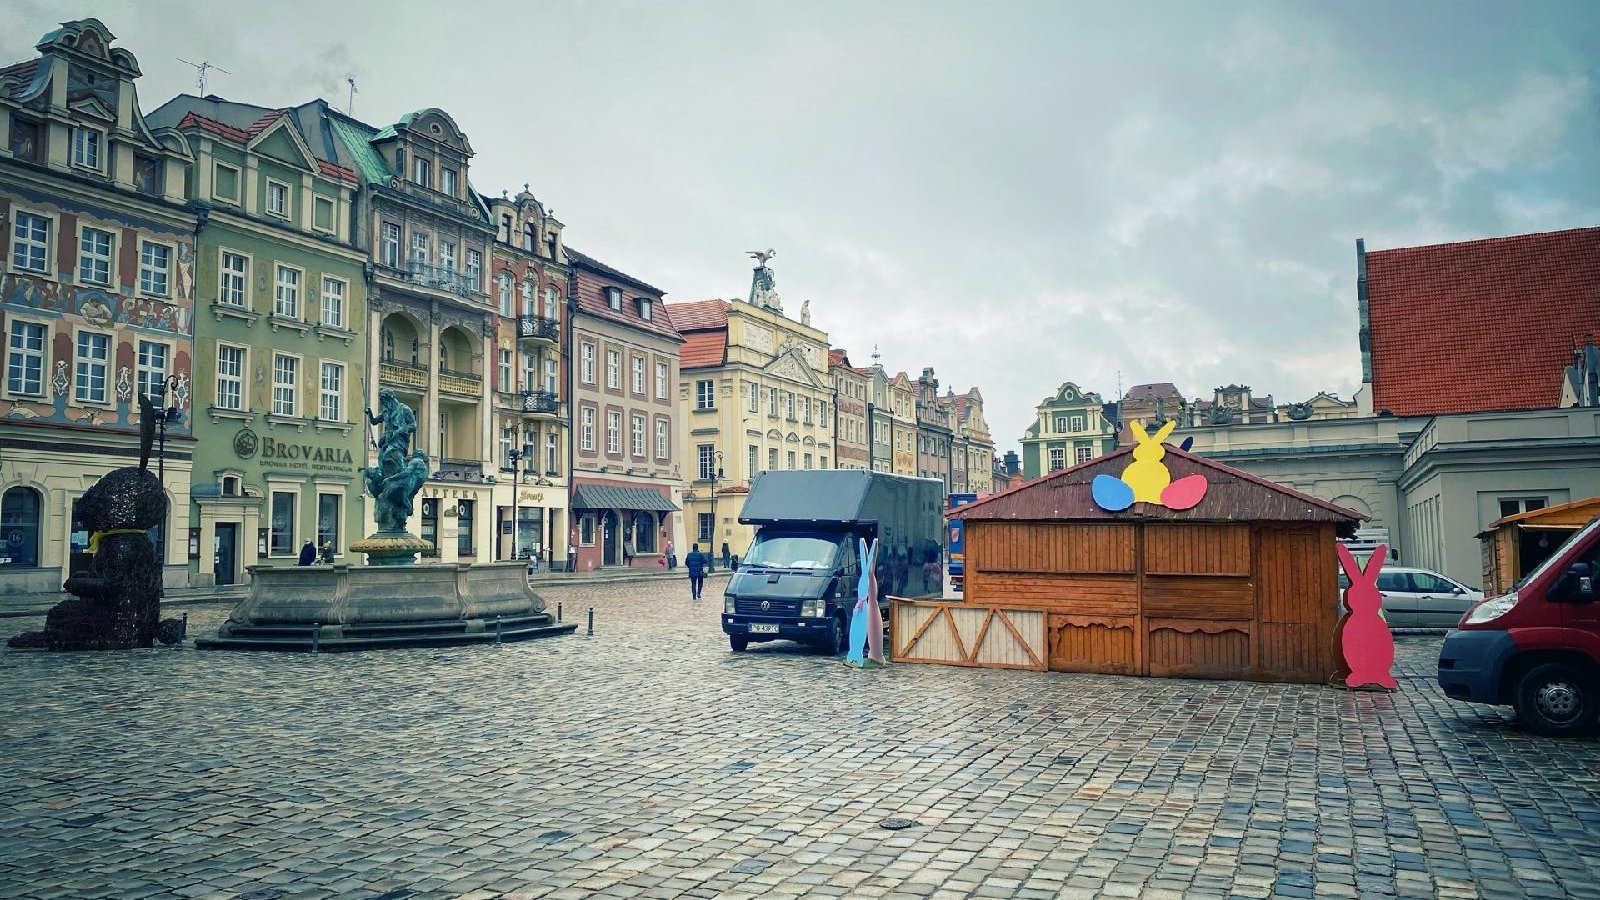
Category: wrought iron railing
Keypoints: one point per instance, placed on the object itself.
(538, 327)
(539, 402)
(442, 278)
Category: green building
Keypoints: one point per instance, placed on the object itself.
(280, 343)
(1069, 428)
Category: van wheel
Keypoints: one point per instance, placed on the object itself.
(839, 640)
(1555, 699)
(738, 642)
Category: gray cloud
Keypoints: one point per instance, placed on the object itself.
(1016, 193)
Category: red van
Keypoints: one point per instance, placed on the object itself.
(1536, 648)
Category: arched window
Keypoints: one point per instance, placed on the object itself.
(552, 303)
(388, 344)
(19, 528)
(527, 299)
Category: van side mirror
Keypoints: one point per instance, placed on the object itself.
(1576, 585)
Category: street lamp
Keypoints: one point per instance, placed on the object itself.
(517, 456)
(165, 415)
(716, 474)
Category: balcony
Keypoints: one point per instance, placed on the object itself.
(459, 470)
(540, 404)
(405, 375)
(461, 384)
(441, 278)
(538, 330)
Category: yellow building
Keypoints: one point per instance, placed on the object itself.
(755, 395)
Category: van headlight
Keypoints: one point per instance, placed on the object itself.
(813, 609)
(727, 603)
(1489, 610)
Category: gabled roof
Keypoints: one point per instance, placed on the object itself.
(593, 276)
(1574, 511)
(703, 348)
(594, 265)
(1163, 389)
(242, 122)
(1231, 496)
(694, 315)
(1480, 325)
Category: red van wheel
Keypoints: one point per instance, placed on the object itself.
(1556, 699)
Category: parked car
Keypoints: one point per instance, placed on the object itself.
(1538, 647)
(1418, 598)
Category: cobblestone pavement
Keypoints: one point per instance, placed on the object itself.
(648, 761)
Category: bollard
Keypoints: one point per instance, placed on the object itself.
(497, 629)
(591, 621)
(558, 612)
(183, 629)
(316, 637)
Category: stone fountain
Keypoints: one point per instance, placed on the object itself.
(392, 601)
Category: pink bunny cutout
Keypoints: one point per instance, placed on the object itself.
(1367, 644)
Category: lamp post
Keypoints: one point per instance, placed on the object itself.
(716, 474)
(165, 415)
(517, 457)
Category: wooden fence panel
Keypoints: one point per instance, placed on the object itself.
(1106, 644)
(965, 634)
(1297, 588)
(1197, 649)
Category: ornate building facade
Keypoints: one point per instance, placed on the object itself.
(96, 299)
(1068, 428)
(851, 442)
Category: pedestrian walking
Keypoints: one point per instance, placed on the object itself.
(696, 563)
(308, 554)
(672, 556)
(327, 553)
(725, 556)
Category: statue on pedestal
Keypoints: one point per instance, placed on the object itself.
(393, 484)
(763, 289)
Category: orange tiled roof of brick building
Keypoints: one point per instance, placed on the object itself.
(704, 326)
(1480, 325)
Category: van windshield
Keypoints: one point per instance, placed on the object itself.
(792, 551)
(1556, 556)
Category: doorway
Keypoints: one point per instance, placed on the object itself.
(225, 562)
(608, 539)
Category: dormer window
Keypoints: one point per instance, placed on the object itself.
(505, 228)
(230, 486)
(86, 148)
(447, 181)
(530, 237)
(422, 172)
(550, 243)
(614, 298)
(645, 311)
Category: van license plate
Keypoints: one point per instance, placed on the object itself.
(763, 629)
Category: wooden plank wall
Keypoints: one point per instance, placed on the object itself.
(1297, 602)
(1196, 599)
(965, 634)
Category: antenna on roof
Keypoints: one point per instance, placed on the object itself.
(201, 68)
(875, 354)
(1119, 385)
(350, 108)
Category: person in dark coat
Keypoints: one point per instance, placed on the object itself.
(308, 554)
(726, 558)
(696, 563)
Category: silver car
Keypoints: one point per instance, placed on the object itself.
(1418, 598)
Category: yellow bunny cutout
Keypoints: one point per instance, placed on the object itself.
(1147, 474)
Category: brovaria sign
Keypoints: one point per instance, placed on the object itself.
(309, 454)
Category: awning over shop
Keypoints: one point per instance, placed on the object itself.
(605, 496)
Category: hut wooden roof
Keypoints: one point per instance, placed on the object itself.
(1231, 496)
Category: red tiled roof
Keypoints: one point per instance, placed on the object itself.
(837, 357)
(593, 277)
(703, 348)
(261, 124)
(1162, 389)
(194, 120)
(24, 72)
(692, 315)
(1480, 325)
(1232, 495)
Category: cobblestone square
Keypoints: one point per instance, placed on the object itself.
(649, 761)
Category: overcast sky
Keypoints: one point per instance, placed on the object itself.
(1017, 194)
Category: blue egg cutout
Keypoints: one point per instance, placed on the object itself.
(1111, 493)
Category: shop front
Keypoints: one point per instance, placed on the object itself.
(531, 523)
(456, 520)
(619, 524)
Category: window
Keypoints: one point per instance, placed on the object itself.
(464, 545)
(807, 461)
(94, 358)
(614, 298)
(586, 429)
(614, 369)
(1084, 454)
(705, 394)
(661, 381)
(753, 462)
(330, 406)
(661, 439)
(286, 293)
(706, 455)
(772, 458)
(25, 143)
(391, 245)
(328, 520)
(322, 214)
(1511, 507)
(790, 455)
(505, 371)
(505, 293)
(755, 400)
(447, 256)
(419, 248)
(94, 256)
(20, 509)
(586, 359)
(233, 275)
(552, 377)
(285, 380)
(332, 302)
(447, 181)
(152, 377)
(772, 401)
(552, 454)
(707, 525)
(504, 235)
(225, 183)
(586, 531)
(644, 533)
(421, 171)
(805, 409)
(277, 199)
(230, 377)
(527, 298)
(474, 271)
(1075, 423)
(155, 269)
(1058, 458)
(646, 312)
(788, 405)
(824, 463)
(281, 542)
(147, 174)
(614, 432)
(25, 359)
(1061, 424)
(86, 148)
(822, 413)
(30, 242)
(638, 437)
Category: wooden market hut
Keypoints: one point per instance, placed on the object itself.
(1243, 586)
(1515, 545)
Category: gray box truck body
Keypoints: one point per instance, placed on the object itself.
(797, 581)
